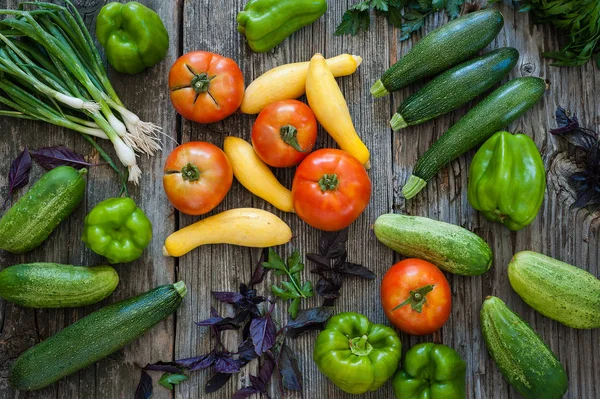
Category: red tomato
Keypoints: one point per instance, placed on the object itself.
(330, 190)
(284, 133)
(416, 297)
(197, 177)
(206, 87)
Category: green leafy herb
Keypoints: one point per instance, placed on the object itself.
(169, 380)
(293, 289)
(407, 15)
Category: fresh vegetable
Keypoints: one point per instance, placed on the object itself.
(355, 354)
(520, 354)
(284, 133)
(52, 285)
(556, 289)
(117, 229)
(328, 103)
(449, 247)
(431, 371)
(197, 177)
(507, 180)
(288, 82)
(47, 203)
(416, 297)
(205, 87)
(578, 19)
(253, 174)
(133, 36)
(70, 87)
(247, 227)
(18, 174)
(494, 113)
(441, 49)
(330, 189)
(455, 87)
(266, 23)
(94, 337)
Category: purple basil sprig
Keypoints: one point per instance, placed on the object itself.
(18, 176)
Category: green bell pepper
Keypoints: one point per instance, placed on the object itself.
(133, 36)
(431, 371)
(266, 23)
(117, 229)
(357, 355)
(507, 180)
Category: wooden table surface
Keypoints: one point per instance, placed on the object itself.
(567, 234)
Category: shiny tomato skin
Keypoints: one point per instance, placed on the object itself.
(330, 210)
(266, 133)
(412, 274)
(191, 193)
(224, 80)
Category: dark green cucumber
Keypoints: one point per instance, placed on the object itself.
(52, 285)
(455, 87)
(494, 113)
(557, 290)
(47, 203)
(520, 354)
(449, 247)
(94, 337)
(441, 49)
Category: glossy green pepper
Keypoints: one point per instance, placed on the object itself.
(357, 355)
(507, 180)
(266, 23)
(431, 371)
(117, 229)
(133, 36)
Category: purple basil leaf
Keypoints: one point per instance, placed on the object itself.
(289, 370)
(262, 333)
(246, 352)
(333, 244)
(259, 272)
(583, 198)
(221, 323)
(216, 382)
(353, 269)
(320, 260)
(266, 371)
(245, 393)
(167, 367)
(570, 129)
(144, 388)
(257, 383)
(197, 363)
(228, 297)
(18, 176)
(563, 120)
(329, 288)
(226, 364)
(52, 157)
(308, 320)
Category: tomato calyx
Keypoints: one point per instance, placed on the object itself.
(329, 182)
(190, 172)
(200, 83)
(417, 298)
(289, 135)
(360, 346)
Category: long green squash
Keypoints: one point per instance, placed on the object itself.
(494, 113)
(94, 337)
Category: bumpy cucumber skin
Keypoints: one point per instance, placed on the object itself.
(444, 47)
(94, 337)
(449, 247)
(52, 285)
(520, 354)
(458, 86)
(557, 290)
(47, 203)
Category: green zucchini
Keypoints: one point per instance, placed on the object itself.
(494, 113)
(556, 289)
(94, 337)
(52, 285)
(449, 247)
(455, 87)
(520, 354)
(47, 203)
(441, 49)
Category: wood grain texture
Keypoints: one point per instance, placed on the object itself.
(568, 234)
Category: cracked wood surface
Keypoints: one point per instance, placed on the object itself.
(568, 234)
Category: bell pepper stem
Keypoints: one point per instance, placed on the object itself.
(360, 346)
(417, 298)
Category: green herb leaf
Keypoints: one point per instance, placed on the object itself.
(353, 22)
(379, 5)
(413, 22)
(274, 261)
(453, 8)
(169, 380)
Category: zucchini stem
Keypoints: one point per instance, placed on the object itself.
(413, 186)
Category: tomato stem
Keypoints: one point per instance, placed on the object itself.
(289, 135)
(329, 182)
(201, 83)
(190, 172)
(417, 298)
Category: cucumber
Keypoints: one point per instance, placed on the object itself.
(520, 354)
(47, 203)
(449, 247)
(441, 49)
(455, 87)
(94, 337)
(556, 289)
(52, 285)
(494, 113)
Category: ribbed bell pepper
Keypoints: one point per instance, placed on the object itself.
(133, 36)
(507, 180)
